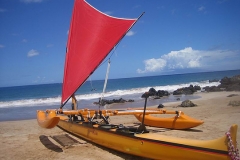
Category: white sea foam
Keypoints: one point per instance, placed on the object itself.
(94, 96)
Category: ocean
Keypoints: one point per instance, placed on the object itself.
(21, 102)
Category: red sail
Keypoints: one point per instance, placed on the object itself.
(92, 36)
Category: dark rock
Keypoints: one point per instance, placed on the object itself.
(227, 84)
(186, 90)
(197, 88)
(157, 94)
(212, 89)
(160, 106)
(105, 101)
(162, 93)
(232, 95)
(232, 80)
(178, 92)
(187, 103)
(152, 92)
(225, 81)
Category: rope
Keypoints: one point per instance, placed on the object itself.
(232, 151)
(106, 79)
(92, 89)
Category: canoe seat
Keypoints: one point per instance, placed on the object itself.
(127, 130)
(89, 123)
(108, 126)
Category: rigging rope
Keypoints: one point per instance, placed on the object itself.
(105, 83)
(92, 89)
(110, 55)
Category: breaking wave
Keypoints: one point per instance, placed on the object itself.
(133, 93)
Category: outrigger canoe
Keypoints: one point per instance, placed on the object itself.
(50, 120)
(92, 36)
(135, 141)
(180, 121)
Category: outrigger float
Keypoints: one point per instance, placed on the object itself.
(179, 121)
(92, 36)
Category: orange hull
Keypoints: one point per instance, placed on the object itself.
(177, 122)
(47, 121)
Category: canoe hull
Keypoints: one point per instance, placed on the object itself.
(149, 145)
(47, 120)
(181, 122)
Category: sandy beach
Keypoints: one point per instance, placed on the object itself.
(26, 140)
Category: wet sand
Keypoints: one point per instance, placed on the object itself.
(24, 139)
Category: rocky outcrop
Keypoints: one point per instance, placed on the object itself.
(212, 89)
(157, 94)
(186, 90)
(120, 100)
(227, 84)
(230, 84)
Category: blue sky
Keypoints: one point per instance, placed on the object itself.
(172, 37)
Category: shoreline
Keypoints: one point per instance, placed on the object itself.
(26, 113)
(24, 139)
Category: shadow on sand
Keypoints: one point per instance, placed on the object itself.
(48, 144)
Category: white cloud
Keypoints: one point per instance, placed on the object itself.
(189, 58)
(130, 33)
(32, 53)
(153, 65)
(31, 1)
(185, 58)
(2, 46)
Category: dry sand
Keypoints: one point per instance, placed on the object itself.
(26, 140)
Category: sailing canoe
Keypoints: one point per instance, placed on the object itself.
(181, 121)
(146, 144)
(92, 35)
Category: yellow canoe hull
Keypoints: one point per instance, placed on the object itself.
(149, 145)
(177, 122)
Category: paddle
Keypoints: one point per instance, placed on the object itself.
(142, 128)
